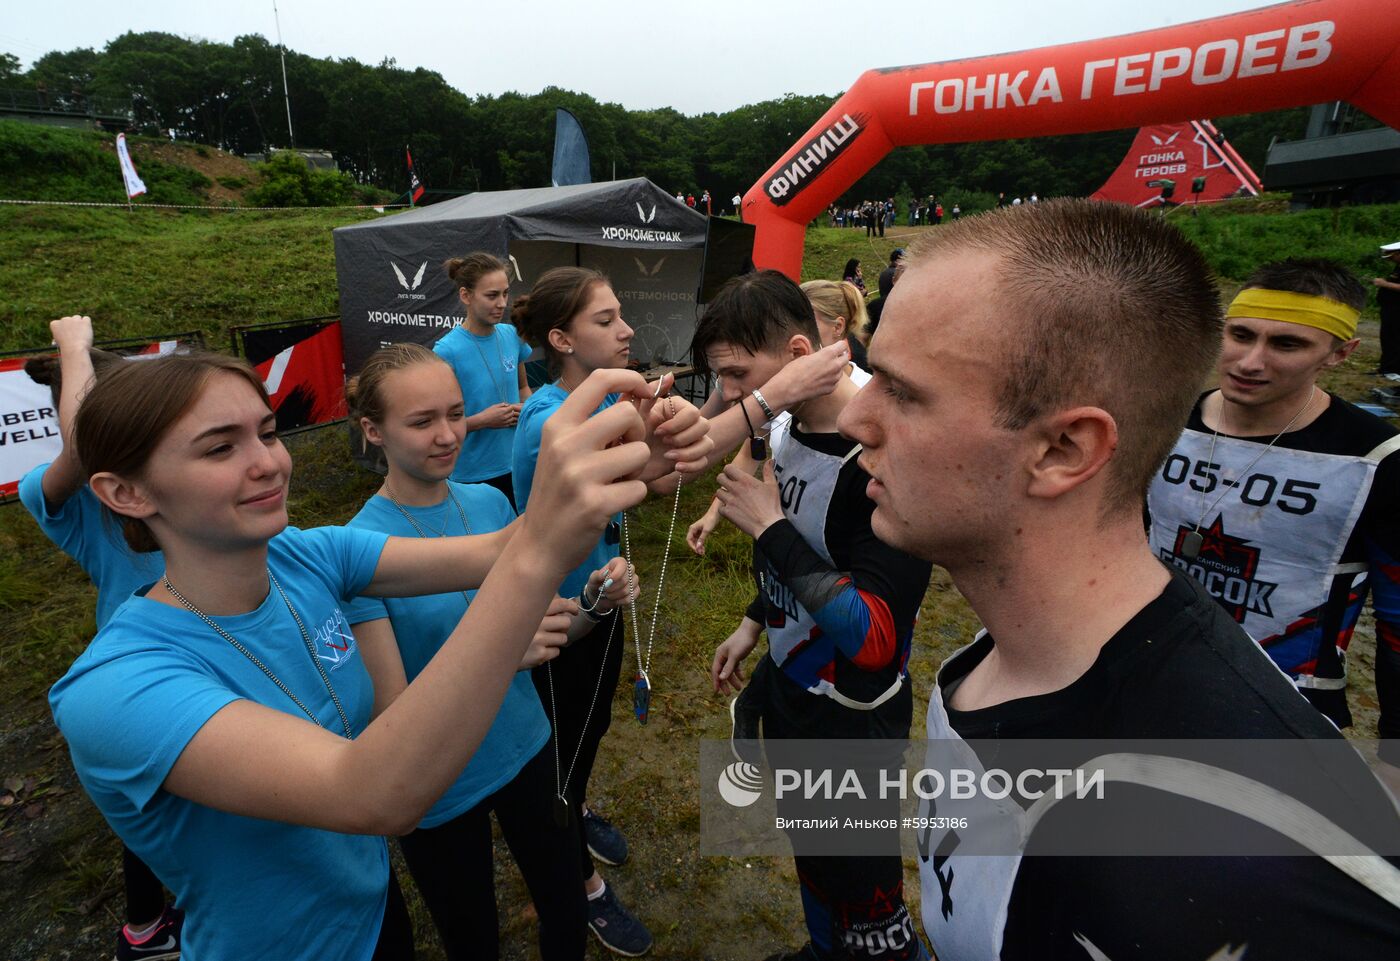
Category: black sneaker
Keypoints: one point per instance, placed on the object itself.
(162, 944)
(616, 927)
(605, 842)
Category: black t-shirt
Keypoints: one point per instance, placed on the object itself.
(873, 310)
(886, 281)
(1179, 669)
(1388, 298)
(859, 356)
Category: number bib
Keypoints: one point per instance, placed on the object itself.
(966, 898)
(1271, 545)
(806, 484)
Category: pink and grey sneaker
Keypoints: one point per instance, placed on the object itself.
(162, 943)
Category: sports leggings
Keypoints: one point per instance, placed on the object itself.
(576, 674)
(854, 905)
(396, 931)
(145, 896)
(453, 868)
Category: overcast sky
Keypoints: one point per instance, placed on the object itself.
(695, 56)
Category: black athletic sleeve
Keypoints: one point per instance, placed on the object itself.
(868, 607)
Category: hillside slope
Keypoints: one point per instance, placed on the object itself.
(53, 163)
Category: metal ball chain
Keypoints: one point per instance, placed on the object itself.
(643, 668)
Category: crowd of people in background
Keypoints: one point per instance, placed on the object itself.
(923, 211)
(872, 214)
(709, 205)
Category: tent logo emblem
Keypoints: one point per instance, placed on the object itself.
(653, 271)
(1163, 143)
(403, 281)
(645, 217)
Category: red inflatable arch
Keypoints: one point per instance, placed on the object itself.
(1286, 55)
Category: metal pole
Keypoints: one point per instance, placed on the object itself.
(282, 52)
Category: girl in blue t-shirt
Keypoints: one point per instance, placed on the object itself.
(488, 358)
(65, 510)
(187, 717)
(406, 402)
(574, 316)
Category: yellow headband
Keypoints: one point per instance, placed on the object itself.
(1337, 319)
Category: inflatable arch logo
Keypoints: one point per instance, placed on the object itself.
(1286, 55)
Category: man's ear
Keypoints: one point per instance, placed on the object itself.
(1340, 353)
(799, 345)
(124, 497)
(1074, 446)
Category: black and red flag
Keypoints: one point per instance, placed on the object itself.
(415, 185)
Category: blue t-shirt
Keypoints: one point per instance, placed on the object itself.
(95, 542)
(487, 370)
(421, 626)
(129, 706)
(539, 408)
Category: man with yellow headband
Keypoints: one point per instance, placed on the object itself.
(1284, 500)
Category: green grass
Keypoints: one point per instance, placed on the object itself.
(53, 163)
(1235, 242)
(149, 271)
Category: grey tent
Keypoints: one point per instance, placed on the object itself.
(652, 247)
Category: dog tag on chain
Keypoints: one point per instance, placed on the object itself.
(758, 449)
(1191, 545)
(561, 812)
(641, 698)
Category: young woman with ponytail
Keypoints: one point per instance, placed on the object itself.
(488, 357)
(573, 315)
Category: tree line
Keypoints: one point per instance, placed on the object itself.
(230, 95)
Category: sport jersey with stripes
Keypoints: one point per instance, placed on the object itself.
(838, 605)
(1294, 539)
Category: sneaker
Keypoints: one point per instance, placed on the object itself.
(616, 927)
(605, 842)
(162, 944)
(1393, 378)
(804, 953)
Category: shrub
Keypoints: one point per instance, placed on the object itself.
(288, 181)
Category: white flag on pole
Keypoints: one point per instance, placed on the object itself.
(134, 186)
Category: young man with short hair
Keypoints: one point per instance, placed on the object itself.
(838, 605)
(1284, 500)
(1032, 370)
